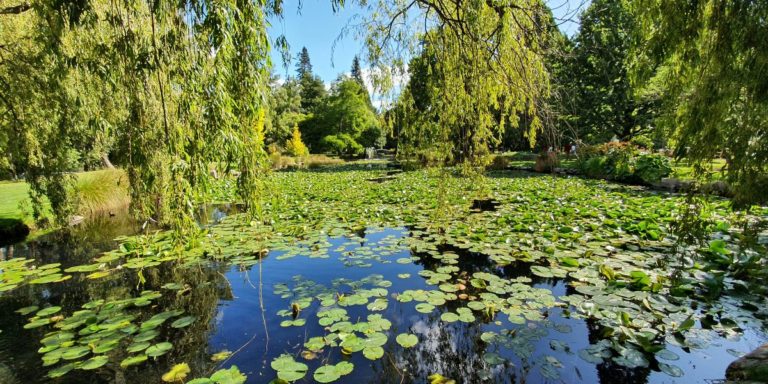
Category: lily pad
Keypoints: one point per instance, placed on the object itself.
(158, 349)
(289, 369)
(407, 340)
(94, 362)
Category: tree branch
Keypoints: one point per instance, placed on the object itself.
(16, 9)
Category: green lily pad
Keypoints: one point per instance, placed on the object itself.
(183, 322)
(133, 360)
(27, 310)
(158, 349)
(48, 311)
(289, 369)
(331, 373)
(373, 353)
(228, 376)
(61, 371)
(671, 370)
(73, 353)
(407, 340)
(94, 362)
(542, 271)
(449, 317)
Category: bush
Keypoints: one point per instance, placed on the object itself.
(317, 161)
(499, 162)
(294, 146)
(644, 142)
(273, 148)
(546, 162)
(652, 168)
(613, 161)
(593, 167)
(621, 162)
(342, 145)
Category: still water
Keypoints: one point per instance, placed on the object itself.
(244, 309)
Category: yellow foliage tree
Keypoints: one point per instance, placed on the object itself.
(294, 146)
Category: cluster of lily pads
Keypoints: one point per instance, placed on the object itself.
(613, 245)
(83, 339)
(367, 337)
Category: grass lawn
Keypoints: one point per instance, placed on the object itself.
(683, 170)
(11, 195)
(97, 189)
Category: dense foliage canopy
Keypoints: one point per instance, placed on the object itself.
(710, 60)
(478, 66)
(170, 90)
(168, 87)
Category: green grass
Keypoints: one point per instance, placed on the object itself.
(11, 196)
(683, 169)
(98, 191)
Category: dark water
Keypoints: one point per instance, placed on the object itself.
(237, 308)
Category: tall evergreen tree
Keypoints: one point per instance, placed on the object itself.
(312, 87)
(357, 71)
(304, 66)
(357, 75)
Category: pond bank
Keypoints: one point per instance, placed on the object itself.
(668, 184)
(751, 368)
(103, 192)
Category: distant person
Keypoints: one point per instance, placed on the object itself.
(573, 149)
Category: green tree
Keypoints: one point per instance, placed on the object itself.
(357, 71)
(135, 80)
(346, 111)
(357, 74)
(485, 64)
(284, 111)
(294, 146)
(341, 144)
(710, 60)
(312, 87)
(605, 103)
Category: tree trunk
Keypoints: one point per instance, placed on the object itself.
(105, 160)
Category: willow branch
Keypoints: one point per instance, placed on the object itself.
(16, 9)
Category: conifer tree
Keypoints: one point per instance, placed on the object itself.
(294, 146)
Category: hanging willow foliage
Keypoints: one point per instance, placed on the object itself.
(169, 87)
(481, 64)
(710, 61)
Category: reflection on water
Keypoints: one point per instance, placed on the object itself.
(237, 311)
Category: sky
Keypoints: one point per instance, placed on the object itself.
(319, 29)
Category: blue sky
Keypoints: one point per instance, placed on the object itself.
(317, 27)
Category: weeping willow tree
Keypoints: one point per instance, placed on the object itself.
(710, 60)
(478, 66)
(169, 87)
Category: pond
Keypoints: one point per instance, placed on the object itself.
(355, 282)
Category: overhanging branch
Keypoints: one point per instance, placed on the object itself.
(16, 9)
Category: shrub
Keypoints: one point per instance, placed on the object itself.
(274, 159)
(593, 167)
(294, 146)
(102, 191)
(613, 161)
(644, 142)
(499, 162)
(652, 168)
(546, 162)
(273, 148)
(317, 161)
(341, 145)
